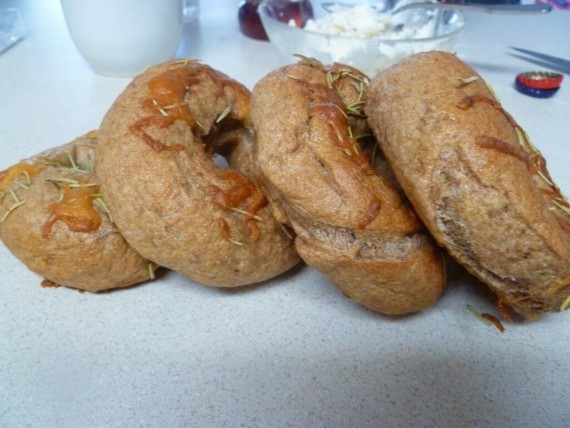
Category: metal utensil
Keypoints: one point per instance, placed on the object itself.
(538, 8)
(465, 5)
(543, 59)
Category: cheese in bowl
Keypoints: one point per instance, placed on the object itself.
(361, 36)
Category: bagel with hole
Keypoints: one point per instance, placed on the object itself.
(174, 204)
(54, 218)
(475, 179)
(350, 219)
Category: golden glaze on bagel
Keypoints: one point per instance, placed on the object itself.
(351, 223)
(473, 176)
(54, 219)
(169, 198)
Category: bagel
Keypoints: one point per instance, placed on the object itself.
(475, 179)
(352, 223)
(172, 202)
(53, 218)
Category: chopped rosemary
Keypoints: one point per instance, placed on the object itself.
(223, 114)
(375, 153)
(355, 108)
(90, 165)
(109, 232)
(246, 213)
(467, 80)
(563, 208)
(341, 110)
(11, 209)
(330, 79)
(183, 61)
(14, 196)
(199, 124)
(22, 185)
(171, 106)
(236, 242)
(356, 149)
(492, 91)
(160, 109)
(478, 315)
(306, 60)
(545, 178)
(64, 180)
(151, 270)
(72, 161)
(565, 304)
(99, 199)
(28, 178)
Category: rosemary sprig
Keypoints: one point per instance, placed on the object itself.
(246, 213)
(28, 178)
(306, 60)
(11, 209)
(17, 203)
(223, 114)
(564, 208)
(159, 108)
(97, 197)
(74, 166)
(468, 80)
(152, 267)
(355, 108)
(236, 242)
(375, 153)
(478, 315)
(68, 181)
(22, 185)
(565, 304)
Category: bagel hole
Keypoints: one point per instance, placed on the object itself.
(220, 161)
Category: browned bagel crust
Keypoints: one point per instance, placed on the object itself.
(169, 199)
(60, 227)
(351, 223)
(475, 179)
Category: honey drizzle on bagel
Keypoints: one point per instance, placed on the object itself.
(166, 103)
(171, 199)
(327, 104)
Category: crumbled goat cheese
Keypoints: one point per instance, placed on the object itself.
(362, 21)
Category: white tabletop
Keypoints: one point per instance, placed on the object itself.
(293, 351)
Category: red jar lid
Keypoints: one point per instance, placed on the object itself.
(540, 79)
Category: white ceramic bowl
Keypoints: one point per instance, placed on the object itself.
(367, 54)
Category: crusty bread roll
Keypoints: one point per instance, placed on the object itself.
(54, 218)
(474, 178)
(351, 223)
(170, 200)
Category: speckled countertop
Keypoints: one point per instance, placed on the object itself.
(293, 351)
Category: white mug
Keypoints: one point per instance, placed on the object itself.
(120, 38)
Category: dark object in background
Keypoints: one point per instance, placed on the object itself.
(249, 22)
(284, 11)
(492, 1)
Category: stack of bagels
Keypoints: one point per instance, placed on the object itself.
(371, 183)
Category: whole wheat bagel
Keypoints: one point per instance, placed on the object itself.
(169, 198)
(475, 179)
(351, 222)
(54, 218)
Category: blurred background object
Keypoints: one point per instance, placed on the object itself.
(190, 10)
(11, 28)
(120, 38)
